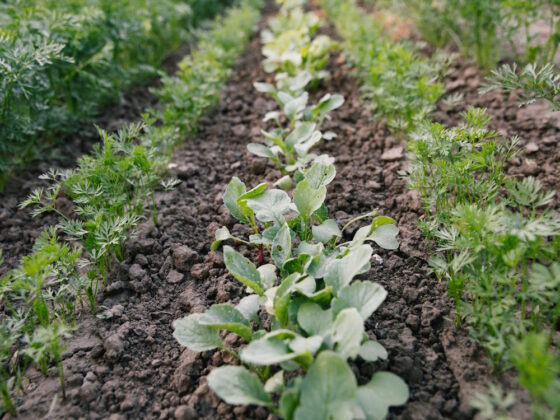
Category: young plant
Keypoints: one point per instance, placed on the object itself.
(306, 294)
(533, 82)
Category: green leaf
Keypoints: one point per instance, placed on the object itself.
(308, 199)
(341, 271)
(243, 270)
(266, 351)
(320, 174)
(328, 103)
(282, 297)
(264, 87)
(190, 333)
(380, 221)
(238, 386)
(260, 150)
(328, 391)
(270, 206)
(268, 275)
(234, 190)
(279, 346)
(282, 246)
(326, 231)
(290, 399)
(222, 234)
(385, 236)
(348, 330)
(275, 384)
(296, 106)
(363, 295)
(254, 192)
(225, 316)
(249, 306)
(383, 391)
(301, 133)
(372, 351)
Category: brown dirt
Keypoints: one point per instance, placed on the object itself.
(130, 364)
(127, 365)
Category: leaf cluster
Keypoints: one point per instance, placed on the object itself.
(62, 61)
(303, 319)
(497, 242)
(400, 85)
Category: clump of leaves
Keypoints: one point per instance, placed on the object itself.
(62, 61)
(290, 47)
(533, 82)
(496, 239)
(399, 84)
(539, 372)
(310, 298)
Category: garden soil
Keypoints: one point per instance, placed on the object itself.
(126, 364)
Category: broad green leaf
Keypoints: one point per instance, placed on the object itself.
(297, 264)
(348, 330)
(225, 316)
(372, 351)
(363, 295)
(385, 236)
(308, 199)
(282, 297)
(234, 190)
(270, 206)
(260, 150)
(222, 234)
(266, 351)
(243, 270)
(328, 103)
(301, 345)
(300, 81)
(190, 333)
(383, 391)
(275, 384)
(268, 275)
(290, 399)
(302, 148)
(282, 246)
(301, 133)
(341, 271)
(326, 231)
(314, 320)
(264, 87)
(306, 286)
(295, 106)
(285, 183)
(249, 306)
(328, 391)
(380, 221)
(254, 192)
(320, 174)
(238, 386)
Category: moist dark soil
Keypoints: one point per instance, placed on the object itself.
(126, 364)
(19, 228)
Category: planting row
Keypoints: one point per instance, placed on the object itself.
(497, 239)
(62, 61)
(109, 192)
(301, 325)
